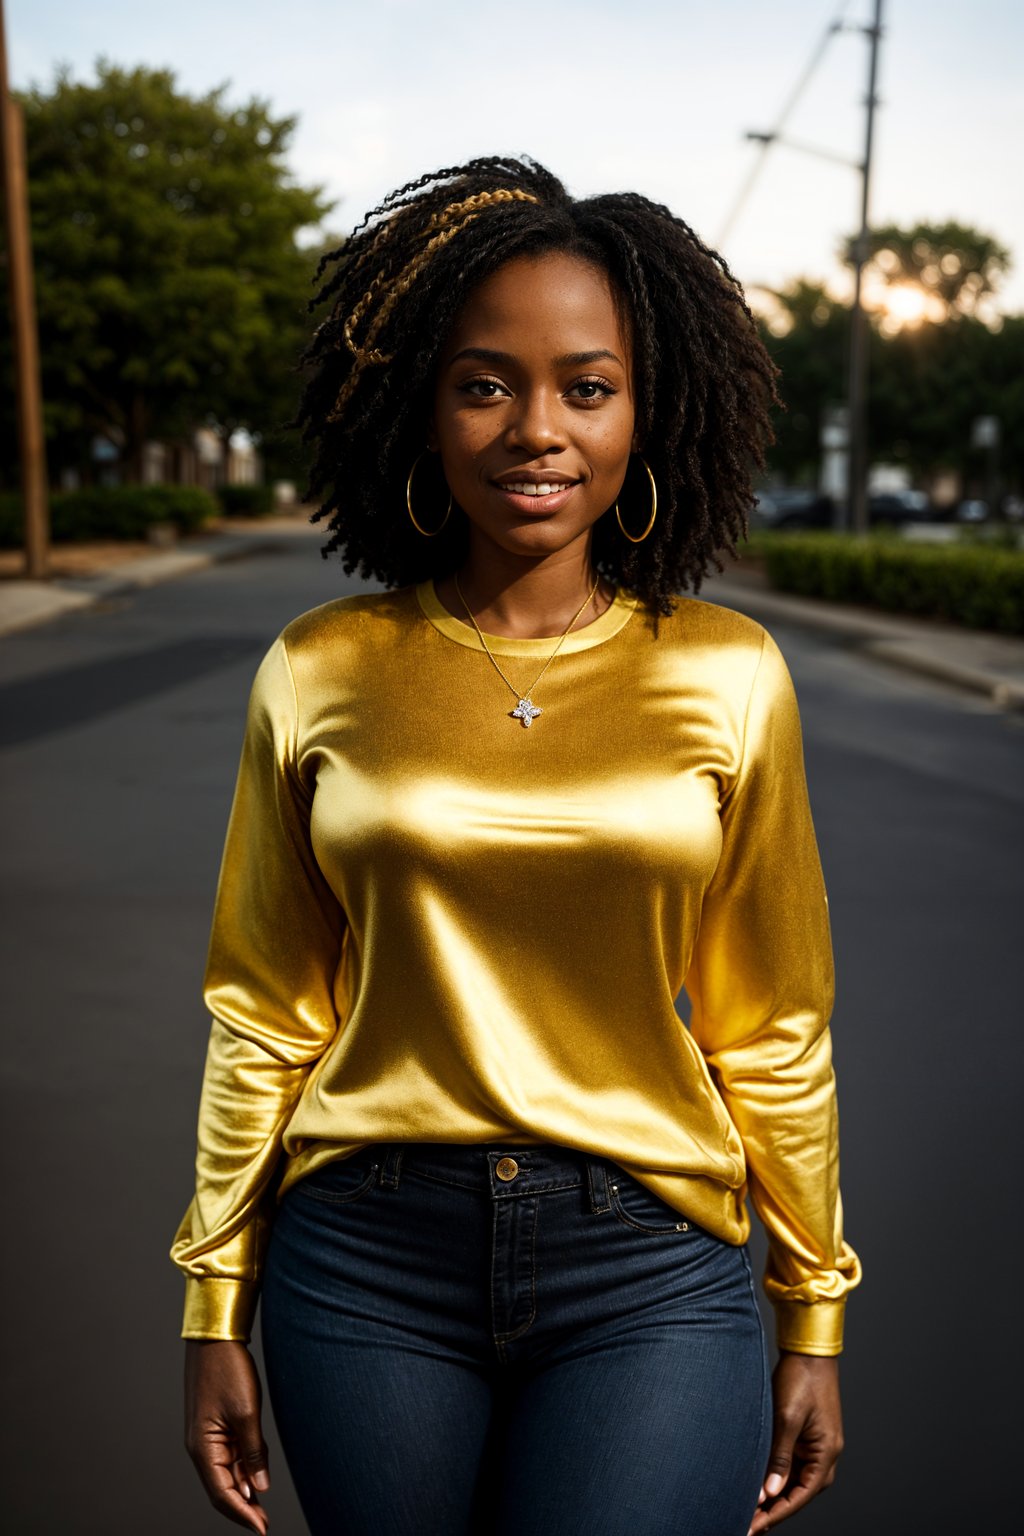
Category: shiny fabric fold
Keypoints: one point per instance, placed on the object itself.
(435, 925)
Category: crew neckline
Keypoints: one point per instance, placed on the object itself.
(618, 613)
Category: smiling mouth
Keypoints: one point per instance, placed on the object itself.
(536, 487)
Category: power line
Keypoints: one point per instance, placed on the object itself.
(767, 139)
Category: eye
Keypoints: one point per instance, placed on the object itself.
(483, 388)
(591, 389)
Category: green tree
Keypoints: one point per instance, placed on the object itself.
(171, 288)
(927, 384)
(930, 383)
(807, 336)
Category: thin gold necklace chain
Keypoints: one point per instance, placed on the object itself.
(529, 691)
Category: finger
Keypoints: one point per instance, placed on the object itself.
(812, 1478)
(226, 1481)
(243, 1508)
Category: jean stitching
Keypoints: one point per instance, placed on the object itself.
(411, 1172)
(391, 1170)
(517, 1333)
(629, 1221)
(532, 1187)
(509, 1192)
(597, 1187)
(330, 1197)
(764, 1363)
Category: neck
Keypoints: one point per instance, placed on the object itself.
(526, 599)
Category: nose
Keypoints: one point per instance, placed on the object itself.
(535, 424)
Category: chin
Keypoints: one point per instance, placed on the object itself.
(540, 538)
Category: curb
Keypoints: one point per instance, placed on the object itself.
(891, 639)
(26, 604)
(1003, 691)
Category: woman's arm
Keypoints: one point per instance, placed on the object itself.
(276, 943)
(275, 947)
(761, 986)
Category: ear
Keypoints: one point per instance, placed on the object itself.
(432, 436)
(634, 446)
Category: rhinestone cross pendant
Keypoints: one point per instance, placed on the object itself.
(526, 711)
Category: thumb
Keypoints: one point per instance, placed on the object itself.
(253, 1460)
(780, 1461)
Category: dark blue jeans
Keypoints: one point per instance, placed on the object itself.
(522, 1341)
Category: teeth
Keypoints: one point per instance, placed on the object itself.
(528, 488)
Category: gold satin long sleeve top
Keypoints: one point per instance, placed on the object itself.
(433, 924)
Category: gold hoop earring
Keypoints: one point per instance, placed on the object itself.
(638, 539)
(427, 534)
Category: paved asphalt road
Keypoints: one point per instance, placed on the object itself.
(121, 729)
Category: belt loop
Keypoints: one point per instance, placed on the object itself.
(597, 1179)
(391, 1169)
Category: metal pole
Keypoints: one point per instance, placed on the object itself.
(857, 504)
(32, 447)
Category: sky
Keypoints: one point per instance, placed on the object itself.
(647, 95)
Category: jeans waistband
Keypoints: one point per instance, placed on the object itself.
(501, 1173)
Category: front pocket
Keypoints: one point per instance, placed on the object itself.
(340, 1182)
(639, 1207)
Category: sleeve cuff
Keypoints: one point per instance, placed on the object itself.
(809, 1328)
(219, 1309)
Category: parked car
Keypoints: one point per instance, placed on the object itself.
(800, 508)
(793, 508)
(899, 507)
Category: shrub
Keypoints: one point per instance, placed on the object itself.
(972, 585)
(115, 512)
(246, 500)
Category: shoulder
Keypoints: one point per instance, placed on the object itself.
(724, 658)
(699, 622)
(345, 636)
(707, 638)
(328, 643)
(367, 618)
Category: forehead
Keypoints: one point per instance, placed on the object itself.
(553, 300)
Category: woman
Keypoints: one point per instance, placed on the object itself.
(487, 824)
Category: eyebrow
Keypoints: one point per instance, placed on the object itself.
(567, 360)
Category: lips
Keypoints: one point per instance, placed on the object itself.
(537, 499)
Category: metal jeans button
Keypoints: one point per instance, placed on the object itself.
(506, 1169)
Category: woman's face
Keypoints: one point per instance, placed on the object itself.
(533, 409)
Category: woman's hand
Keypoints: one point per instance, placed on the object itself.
(222, 1429)
(807, 1437)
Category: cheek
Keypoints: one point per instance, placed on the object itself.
(464, 442)
(612, 444)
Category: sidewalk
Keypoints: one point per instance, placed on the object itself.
(989, 664)
(984, 662)
(99, 575)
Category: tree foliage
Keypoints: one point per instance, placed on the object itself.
(927, 383)
(170, 286)
(956, 264)
(809, 341)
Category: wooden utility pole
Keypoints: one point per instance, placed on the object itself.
(857, 505)
(32, 447)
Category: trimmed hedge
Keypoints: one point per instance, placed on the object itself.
(246, 500)
(114, 512)
(971, 585)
